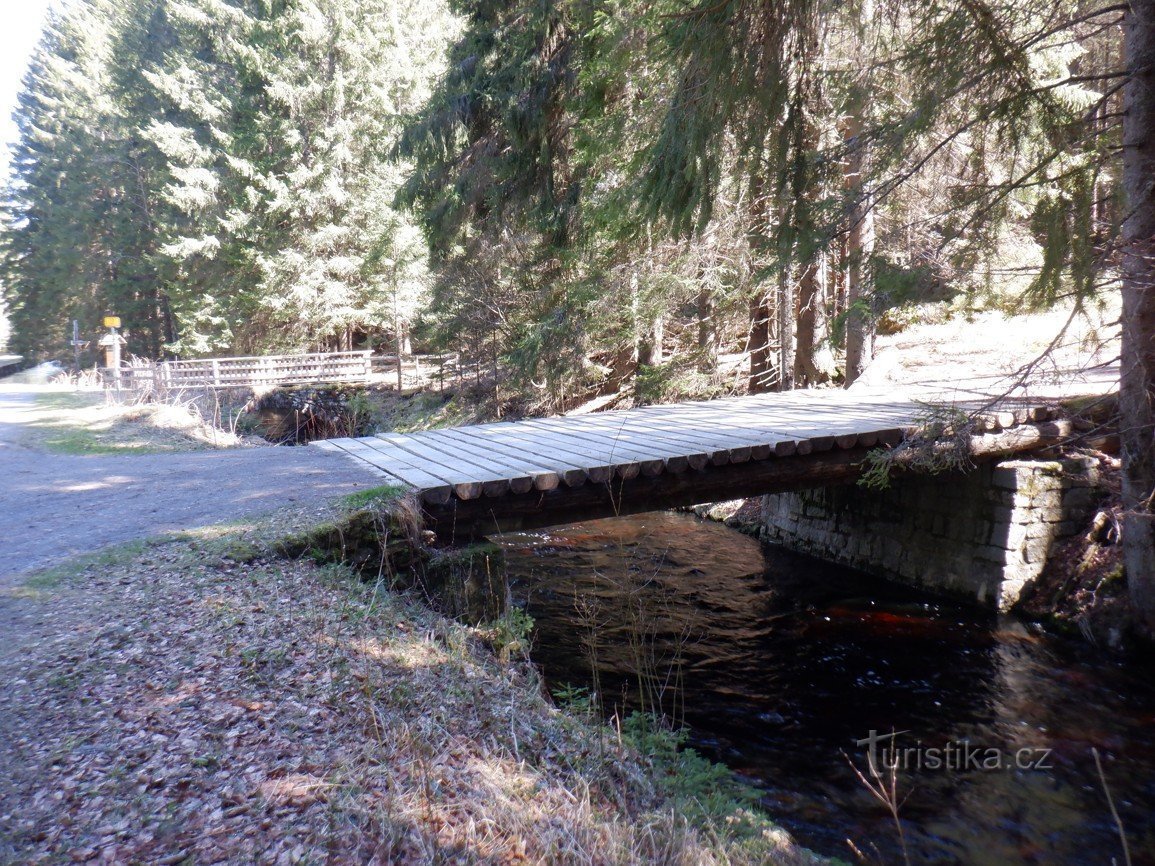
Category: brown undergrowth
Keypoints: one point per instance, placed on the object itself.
(200, 700)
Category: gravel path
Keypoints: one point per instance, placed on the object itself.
(53, 506)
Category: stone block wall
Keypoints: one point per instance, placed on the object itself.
(982, 534)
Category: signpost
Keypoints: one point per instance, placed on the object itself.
(111, 343)
(77, 344)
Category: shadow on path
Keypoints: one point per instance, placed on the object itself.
(53, 506)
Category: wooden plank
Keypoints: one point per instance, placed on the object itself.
(464, 469)
(712, 438)
(571, 473)
(584, 448)
(433, 489)
(604, 444)
(804, 425)
(699, 448)
(544, 477)
(779, 406)
(693, 455)
(494, 480)
(608, 437)
(680, 454)
(547, 446)
(760, 445)
(409, 474)
(463, 520)
(792, 424)
(464, 487)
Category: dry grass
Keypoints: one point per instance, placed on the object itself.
(83, 423)
(198, 700)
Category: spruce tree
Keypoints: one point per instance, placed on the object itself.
(77, 240)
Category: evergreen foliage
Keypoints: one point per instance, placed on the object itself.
(562, 191)
(215, 173)
(569, 191)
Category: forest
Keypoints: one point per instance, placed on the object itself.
(586, 197)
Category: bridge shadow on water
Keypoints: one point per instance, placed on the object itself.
(780, 664)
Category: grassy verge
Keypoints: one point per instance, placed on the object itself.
(428, 411)
(221, 702)
(81, 423)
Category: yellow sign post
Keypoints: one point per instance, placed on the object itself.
(111, 343)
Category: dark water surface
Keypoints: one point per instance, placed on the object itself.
(779, 664)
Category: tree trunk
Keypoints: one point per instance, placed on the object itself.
(859, 247)
(649, 343)
(785, 331)
(1137, 385)
(707, 331)
(758, 345)
(806, 371)
(761, 308)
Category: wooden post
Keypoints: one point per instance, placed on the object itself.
(77, 344)
(111, 343)
(216, 372)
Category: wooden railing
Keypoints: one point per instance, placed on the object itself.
(317, 368)
(435, 372)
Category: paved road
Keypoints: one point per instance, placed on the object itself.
(53, 506)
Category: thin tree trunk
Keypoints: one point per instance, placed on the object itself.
(785, 331)
(761, 310)
(707, 331)
(859, 248)
(860, 218)
(1137, 385)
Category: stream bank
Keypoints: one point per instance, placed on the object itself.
(780, 665)
(209, 697)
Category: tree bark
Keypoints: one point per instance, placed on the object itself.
(785, 331)
(859, 248)
(761, 306)
(758, 345)
(806, 371)
(649, 343)
(1137, 381)
(707, 331)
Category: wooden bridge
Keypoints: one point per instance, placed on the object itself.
(487, 478)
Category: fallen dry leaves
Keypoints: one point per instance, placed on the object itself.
(184, 707)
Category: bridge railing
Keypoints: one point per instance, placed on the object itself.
(427, 371)
(140, 376)
(243, 372)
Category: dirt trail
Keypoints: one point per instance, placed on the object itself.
(53, 506)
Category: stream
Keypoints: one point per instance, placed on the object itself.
(782, 665)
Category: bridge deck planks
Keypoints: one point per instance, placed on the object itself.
(496, 459)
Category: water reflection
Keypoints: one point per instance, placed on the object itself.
(780, 664)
